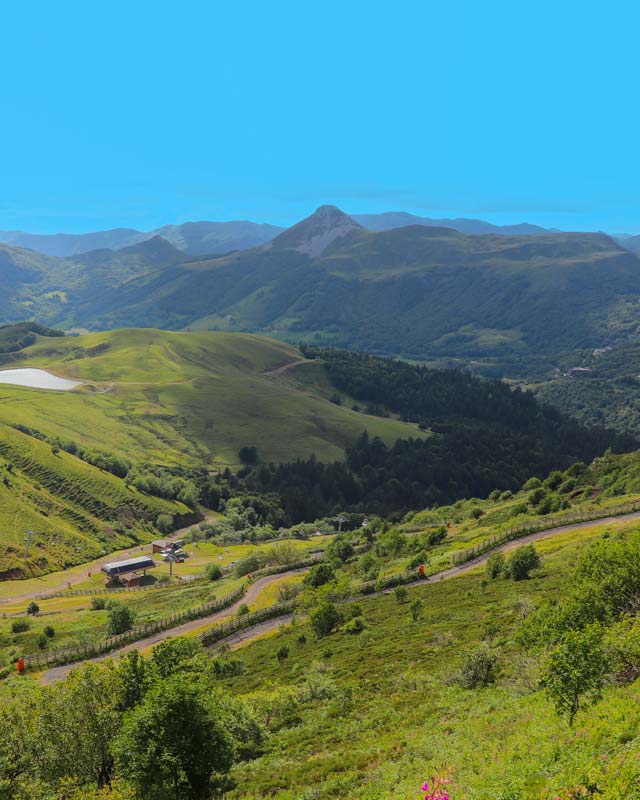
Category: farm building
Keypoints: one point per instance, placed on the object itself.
(117, 569)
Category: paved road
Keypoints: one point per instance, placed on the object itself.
(57, 673)
(248, 634)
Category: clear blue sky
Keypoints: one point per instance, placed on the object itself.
(141, 113)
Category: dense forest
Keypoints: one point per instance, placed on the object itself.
(485, 436)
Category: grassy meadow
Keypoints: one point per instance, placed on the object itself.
(188, 398)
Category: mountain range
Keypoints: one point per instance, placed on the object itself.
(203, 238)
(520, 304)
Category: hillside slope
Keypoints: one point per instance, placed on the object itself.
(196, 398)
(76, 511)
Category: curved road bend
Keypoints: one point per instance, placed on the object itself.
(246, 635)
(57, 673)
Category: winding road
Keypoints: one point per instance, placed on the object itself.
(242, 637)
(57, 673)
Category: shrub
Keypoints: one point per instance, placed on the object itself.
(318, 575)
(495, 564)
(282, 654)
(415, 609)
(213, 572)
(98, 604)
(576, 671)
(33, 608)
(49, 632)
(120, 619)
(43, 642)
(523, 560)
(324, 619)
(249, 564)
(479, 669)
(477, 513)
(437, 536)
(243, 610)
(20, 626)
(401, 594)
(164, 523)
(355, 626)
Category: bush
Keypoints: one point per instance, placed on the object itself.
(20, 626)
(243, 610)
(33, 608)
(213, 572)
(120, 619)
(282, 654)
(415, 609)
(43, 642)
(401, 594)
(164, 523)
(324, 619)
(479, 669)
(523, 561)
(98, 604)
(495, 564)
(49, 632)
(318, 575)
(355, 626)
(437, 536)
(250, 564)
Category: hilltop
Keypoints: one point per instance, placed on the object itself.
(195, 398)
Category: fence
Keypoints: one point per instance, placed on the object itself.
(314, 557)
(231, 626)
(68, 655)
(545, 523)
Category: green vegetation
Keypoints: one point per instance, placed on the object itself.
(169, 398)
(76, 511)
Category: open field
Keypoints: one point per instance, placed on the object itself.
(188, 397)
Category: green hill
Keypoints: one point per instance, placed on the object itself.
(188, 398)
(76, 511)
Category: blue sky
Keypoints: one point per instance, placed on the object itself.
(139, 113)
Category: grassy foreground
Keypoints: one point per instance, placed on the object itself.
(394, 712)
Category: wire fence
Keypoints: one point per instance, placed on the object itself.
(82, 652)
(545, 523)
(232, 626)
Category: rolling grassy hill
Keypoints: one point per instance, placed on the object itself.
(188, 398)
(76, 511)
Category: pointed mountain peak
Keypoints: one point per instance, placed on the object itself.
(315, 233)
